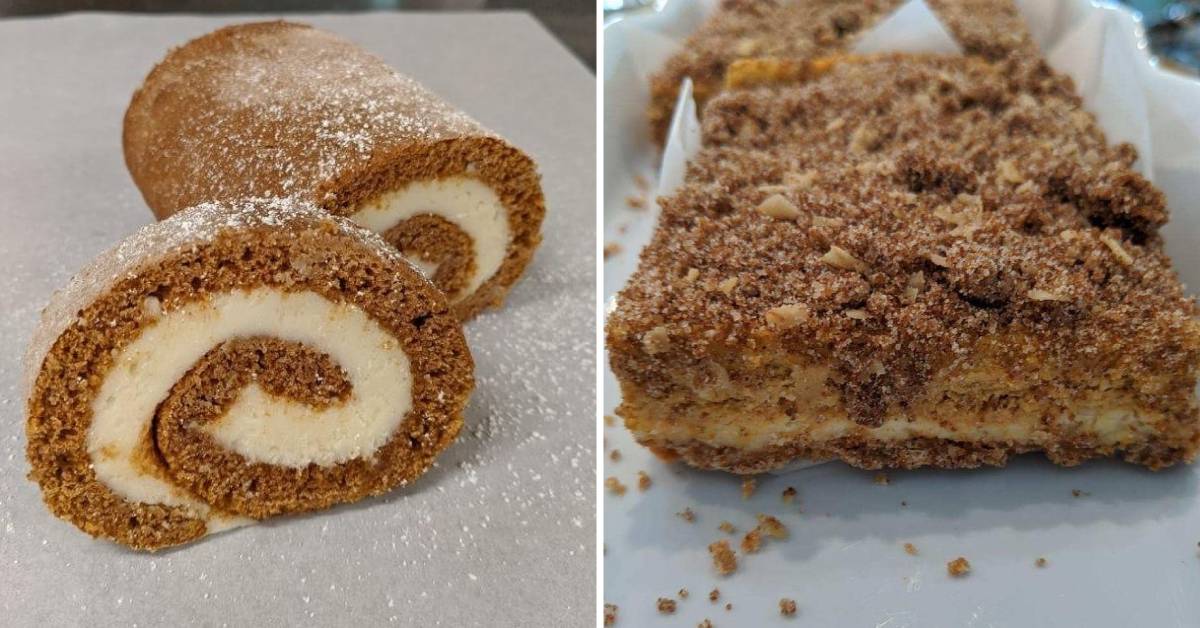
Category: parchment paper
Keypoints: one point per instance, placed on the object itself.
(500, 533)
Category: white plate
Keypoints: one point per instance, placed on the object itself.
(1122, 553)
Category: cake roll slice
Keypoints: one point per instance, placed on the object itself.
(238, 361)
(906, 262)
(279, 109)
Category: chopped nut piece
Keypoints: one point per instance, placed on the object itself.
(841, 258)
(714, 595)
(800, 179)
(778, 206)
(882, 479)
(1115, 246)
(910, 549)
(611, 249)
(615, 455)
(773, 527)
(958, 567)
(610, 614)
(666, 605)
(643, 481)
(787, 316)
(752, 542)
(1008, 172)
(858, 315)
(787, 607)
(1037, 294)
(914, 286)
(835, 124)
(789, 494)
(723, 557)
(687, 515)
(614, 486)
(728, 285)
(1068, 234)
(1040, 562)
(748, 485)
(939, 260)
(691, 275)
(823, 221)
(727, 527)
(656, 340)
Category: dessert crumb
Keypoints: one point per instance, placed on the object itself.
(609, 421)
(705, 624)
(748, 486)
(1041, 561)
(723, 557)
(641, 182)
(666, 605)
(615, 455)
(635, 202)
(787, 607)
(683, 593)
(610, 614)
(958, 567)
(714, 595)
(729, 606)
(773, 527)
(727, 527)
(644, 481)
(1078, 493)
(614, 486)
(910, 549)
(687, 515)
(752, 542)
(882, 479)
(611, 249)
(789, 494)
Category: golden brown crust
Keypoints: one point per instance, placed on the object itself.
(206, 251)
(278, 109)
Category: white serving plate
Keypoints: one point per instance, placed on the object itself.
(1122, 553)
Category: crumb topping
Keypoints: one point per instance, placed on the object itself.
(958, 567)
(723, 557)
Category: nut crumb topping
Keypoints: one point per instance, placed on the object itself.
(958, 567)
(838, 257)
(723, 557)
(778, 206)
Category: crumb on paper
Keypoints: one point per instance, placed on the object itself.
(641, 182)
(882, 479)
(1041, 561)
(752, 542)
(714, 595)
(705, 624)
(683, 593)
(727, 528)
(665, 605)
(615, 455)
(611, 249)
(773, 527)
(787, 607)
(635, 202)
(614, 486)
(644, 481)
(1079, 493)
(958, 567)
(687, 515)
(723, 557)
(903, 504)
(748, 485)
(609, 421)
(729, 606)
(910, 549)
(610, 614)
(789, 494)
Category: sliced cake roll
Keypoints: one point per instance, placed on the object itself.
(909, 261)
(238, 361)
(278, 109)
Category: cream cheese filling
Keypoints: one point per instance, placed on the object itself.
(467, 202)
(259, 426)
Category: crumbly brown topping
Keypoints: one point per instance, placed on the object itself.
(752, 542)
(787, 607)
(727, 528)
(714, 595)
(615, 486)
(643, 481)
(958, 567)
(910, 549)
(665, 605)
(724, 558)
(772, 527)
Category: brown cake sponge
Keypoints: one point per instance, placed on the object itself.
(277, 109)
(238, 361)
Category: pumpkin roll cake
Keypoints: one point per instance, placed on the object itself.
(908, 261)
(238, 361)
(278, 109)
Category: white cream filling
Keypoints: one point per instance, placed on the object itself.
(259, 426)
(467, 202)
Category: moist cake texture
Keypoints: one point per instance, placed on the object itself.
(277, 109)
(234, 362)
(908, 261)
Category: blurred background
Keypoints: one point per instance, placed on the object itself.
(573, 22)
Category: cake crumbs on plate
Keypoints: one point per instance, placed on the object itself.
(614, 486)
(665, 605)
(683, 593)
(882, 479)
(1079, 493)
(609, 421)
(705, 624)
(748, 486)
(610, 614)
(615, 455)
(727, 528)
(958, 567)
(789, 494)
(729, 606)
(752, 542)
(723, 557)
(635, 202)
(787, 607)
(1041, 561)
(910, 549)
(611, 249)
(773, 527)
(644, 481)
(714, 595)
(687, 515)
(641, 182)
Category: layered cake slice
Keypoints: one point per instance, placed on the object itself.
(234, 362)
(278, 109)
(905, 262)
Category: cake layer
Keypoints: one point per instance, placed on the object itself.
(909, 251)
(280, 109)
(235, 362)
